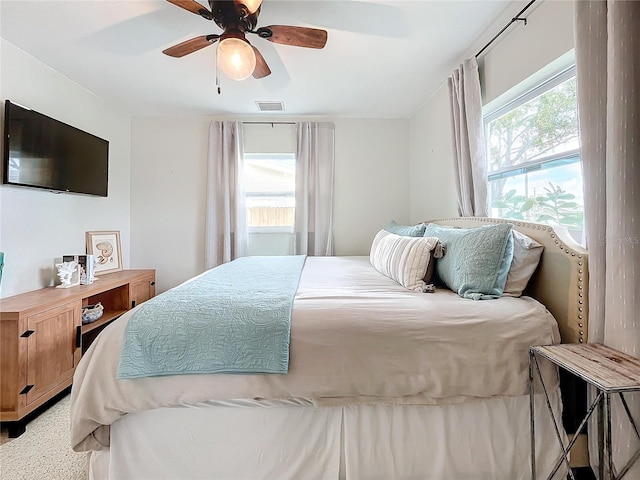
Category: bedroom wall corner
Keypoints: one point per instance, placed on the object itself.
(36, 226)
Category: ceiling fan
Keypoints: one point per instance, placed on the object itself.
(237, 58)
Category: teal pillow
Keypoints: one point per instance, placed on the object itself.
(476, 260)
(406, 230)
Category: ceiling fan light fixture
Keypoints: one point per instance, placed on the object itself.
(250, 6)
(236, 58)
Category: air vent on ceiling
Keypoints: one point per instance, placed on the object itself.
(270, 106)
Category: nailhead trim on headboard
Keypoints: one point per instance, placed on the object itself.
(571, 313)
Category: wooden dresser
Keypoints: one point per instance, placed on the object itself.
(42, 337)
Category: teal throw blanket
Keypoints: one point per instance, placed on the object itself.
(236, 318)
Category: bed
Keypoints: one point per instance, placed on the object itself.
(373, 389)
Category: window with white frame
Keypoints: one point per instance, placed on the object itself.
(270, 188)
(534, 169)
(269, 185)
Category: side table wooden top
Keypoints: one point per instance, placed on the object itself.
(604, 367)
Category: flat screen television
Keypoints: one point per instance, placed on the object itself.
(45, 153)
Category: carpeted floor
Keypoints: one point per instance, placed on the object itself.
(43, 452)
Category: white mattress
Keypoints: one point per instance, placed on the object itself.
(356, 337)
(481, 440)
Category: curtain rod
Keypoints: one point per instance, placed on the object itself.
(517, 18)
(271, 123)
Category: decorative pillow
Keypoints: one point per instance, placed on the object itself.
(526, 256)
(403, 259)
(406, 230)
(476, 260)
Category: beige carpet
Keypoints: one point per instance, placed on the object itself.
(43, 452)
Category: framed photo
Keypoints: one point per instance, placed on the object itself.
(105, 248)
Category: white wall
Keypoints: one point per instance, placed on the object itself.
(269, 138)
(168, 190)
(432, 178)
(371, 182)
(37, 227)
(526, 49)
(267, 243)
(505, 69)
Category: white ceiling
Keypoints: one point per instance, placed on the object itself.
(383, 59)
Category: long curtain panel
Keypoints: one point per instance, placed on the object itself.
(608, 76)
(226, 231)
(315, 164)
(469, 149)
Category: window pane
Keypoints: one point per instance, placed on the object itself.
(543, 126)
(269, 182)
(550, 193)
(533, 158)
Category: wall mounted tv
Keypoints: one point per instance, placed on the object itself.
(45, 153)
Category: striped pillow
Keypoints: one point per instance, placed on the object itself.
(403, 259)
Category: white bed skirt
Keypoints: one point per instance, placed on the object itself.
(482, 440)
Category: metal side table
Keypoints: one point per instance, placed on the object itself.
(612, 373)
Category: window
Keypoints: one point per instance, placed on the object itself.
(534, 169)
(270, 190)
(270, 186)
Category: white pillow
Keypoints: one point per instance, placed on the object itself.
(526, 256)
(403, 259)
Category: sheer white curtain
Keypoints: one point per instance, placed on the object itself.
(469, 147)
(226, 231)
(314, 188)
(608, 75)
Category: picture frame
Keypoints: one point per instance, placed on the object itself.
(105, 247)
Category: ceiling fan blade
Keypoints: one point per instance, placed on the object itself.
(262, 69)
(190, 46)
(194, 7)
(296, 36)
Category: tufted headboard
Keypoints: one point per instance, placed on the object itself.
(561, 280)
